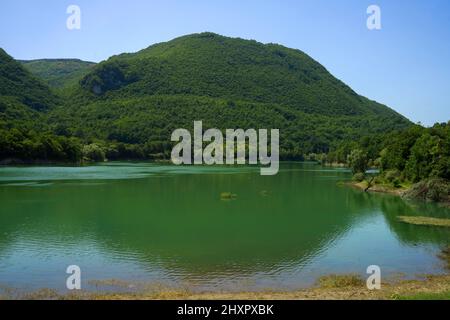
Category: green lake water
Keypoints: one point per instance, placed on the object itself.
(161, 224)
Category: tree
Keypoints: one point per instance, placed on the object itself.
(357, 161)
(94, 152)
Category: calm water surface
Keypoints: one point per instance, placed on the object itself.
(161, 224)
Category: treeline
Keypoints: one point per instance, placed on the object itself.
(19, 146)
(407, 156)
(419, 153)
(413, 154)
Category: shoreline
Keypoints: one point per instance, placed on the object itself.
(334, 287)
(376, 188)
(400, 192)
(329, 287)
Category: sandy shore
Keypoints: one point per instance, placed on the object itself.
(342, 287)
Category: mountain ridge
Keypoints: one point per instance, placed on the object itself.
(140, 98)
(295, 78)
(18, 83)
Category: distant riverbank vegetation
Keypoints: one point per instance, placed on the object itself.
(416, 159)
(28, 147)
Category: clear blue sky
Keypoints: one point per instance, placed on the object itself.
(406, 65)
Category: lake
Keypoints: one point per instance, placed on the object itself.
(161, 224)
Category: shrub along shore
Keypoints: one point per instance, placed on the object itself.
(413, 163)
(431, 190)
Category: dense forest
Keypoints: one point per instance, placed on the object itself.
(411, 155)
(127, 107)
(417, 158)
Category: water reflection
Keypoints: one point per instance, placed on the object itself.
(168, 224)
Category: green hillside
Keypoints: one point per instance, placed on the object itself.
(128, 106)
(23, 97)
(140, 98)
(59, 73)
(211, 65)
(19, 85)
(25, 102)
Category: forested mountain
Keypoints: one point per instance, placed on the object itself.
(19, 85)
(25, 103)
(23, 97)
(129, 105)
(59, 73)
(140, 98)
(211, 65)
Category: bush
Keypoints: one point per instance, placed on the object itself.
(94, 152)
(341, 281)
(431, 190)
(357, 161)
(392, 175)
(358, 177)
(396, 183)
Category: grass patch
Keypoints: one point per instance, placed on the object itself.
(425, 221)
(341, 281)
(425, 296)
(228, 196)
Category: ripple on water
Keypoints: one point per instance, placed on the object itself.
(255, 241)
(38, 176)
